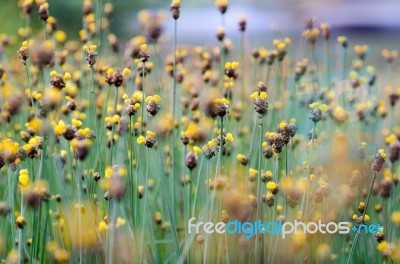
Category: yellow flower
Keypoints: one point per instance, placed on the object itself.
(314, 105)
(67, 76)
(108, 172)
(271, 185)
(253, 171)
(53, 74)
(382, 153)
(323, 107)
(396, 217)
(102, 226)
(140, 140)
(212, 143)
(110, 71)
(263, 95)
(143, 47)
(341, 39)
(390, 139)
(254, 95)
(23, 178)
(126, 72)
(383, 246)
(120, 222)
(76, 123)
(60, 36)
(197, 150)
(229, 137)
(151, 133)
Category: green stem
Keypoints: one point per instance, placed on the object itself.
(353, 246)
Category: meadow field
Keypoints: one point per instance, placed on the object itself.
(114, 147)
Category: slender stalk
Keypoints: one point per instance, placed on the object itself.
(143, 96)
(113, 125)
(20, 239)
(30, 88)
(218, 172)
(305, 195)
(79, 178)
(353, 246)
(173, 121)
(259, 185)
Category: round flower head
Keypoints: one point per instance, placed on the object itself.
(378, 161)
(91, 54)
(260, 102)
(175, 8)
(153, 104)
(342, 41)
(316, 111)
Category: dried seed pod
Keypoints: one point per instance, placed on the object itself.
(191, 160)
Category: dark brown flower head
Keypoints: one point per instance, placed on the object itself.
(261, 87)
(221, 34)
(2, 160)
(191, 160)
(268, 152)
(23, 52)
(175, 8)
(4, 209)
(326, 31)
(185, 139)
(153, 105)
(144, 54)
(151, 24)
(378, 161)
(108, 10)
(118, 188)
(269, 199)
(309, 23)
(150, 142)
(81, 146)
(14, 104)
(57, 81)
(69, 132)
(130, 109)
(385, 188)
(96, 176)
(394, 151)
(27, 7)
(44, 11)
(379, 237)
(285, 130)
(222, 5)
(260, 102)
(231, 69)
(114, 78)
(87, 7)
(278, 142)
(113, 42)
(91, 54)
(242, 24)
(220, 107)
(71, 105)
(208, 151)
